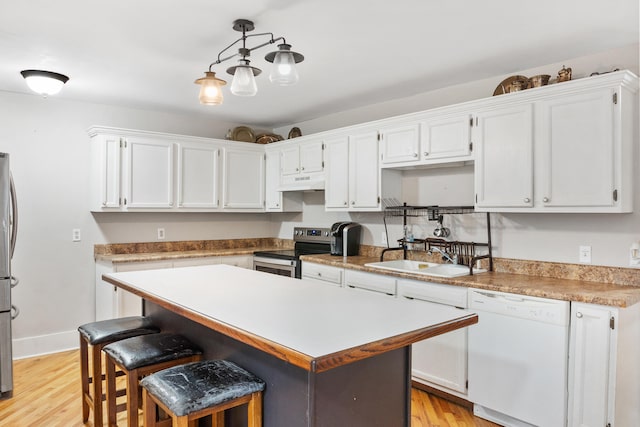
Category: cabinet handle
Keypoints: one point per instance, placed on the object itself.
(527, 200)
(302, 168)
(319, 274)
(297, 169)
(426, 153)
(353, 202)
(345, 203)
(579, 315)
(415, 154)
(545, 199)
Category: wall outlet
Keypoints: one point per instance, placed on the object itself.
(383, 238)
(634, 255)
(75, 235)
(160, 233)
(585, 254)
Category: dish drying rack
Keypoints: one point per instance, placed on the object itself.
(464, 251)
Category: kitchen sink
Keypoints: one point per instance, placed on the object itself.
(426, 268)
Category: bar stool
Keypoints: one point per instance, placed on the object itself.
(138, 357)
(189, 392)
(96, 335)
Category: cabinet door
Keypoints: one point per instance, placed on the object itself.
(589, 365)
(441, 360)
(446, 137)
(290, 160)
(198, 176)
(400, 144)
(243, 179)
(336, 192)
(311, 157)
(576, 139)
(149, 173)
(504, 159)
(364, 174)
(110, 188)
(273, 198)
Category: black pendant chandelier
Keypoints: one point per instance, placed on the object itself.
(283, 72)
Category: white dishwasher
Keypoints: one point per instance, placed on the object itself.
(518, 355)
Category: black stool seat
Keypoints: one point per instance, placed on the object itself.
(192, 387)
(116, 329)
(143, 350)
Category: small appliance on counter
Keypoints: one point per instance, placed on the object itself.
(345, 238)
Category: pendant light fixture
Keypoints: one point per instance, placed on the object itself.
(283, 73)
(44, 83)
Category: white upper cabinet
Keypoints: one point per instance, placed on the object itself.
(243, 182)
(400, 144)
(504, 161)
(364, 173)
(106, 165)
(430, 139)
(563, 148)
(199, 176)
(149, 173)
(336, 193)
(302, 164)
(446, 138)
(154, 172)
(354, 180)
(278, 201)
(577, 149)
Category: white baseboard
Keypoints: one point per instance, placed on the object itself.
(45, 344)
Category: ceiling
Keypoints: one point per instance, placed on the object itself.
(147, 53)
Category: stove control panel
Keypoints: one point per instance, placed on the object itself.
(311, 234)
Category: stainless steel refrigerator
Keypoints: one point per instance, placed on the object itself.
(8, 312)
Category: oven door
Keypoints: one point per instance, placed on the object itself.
(282, 267)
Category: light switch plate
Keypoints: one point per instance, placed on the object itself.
(585, 254)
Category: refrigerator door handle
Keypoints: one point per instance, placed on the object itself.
(14, 215)
(15, 312)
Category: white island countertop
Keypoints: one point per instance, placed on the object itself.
(314, 326)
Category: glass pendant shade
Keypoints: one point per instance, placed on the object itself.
(283, 71)
(244, 82)
(44, 83)
(210, 89)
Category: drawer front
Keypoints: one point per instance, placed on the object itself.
(322, 272)
(434, 292)
(371, 282)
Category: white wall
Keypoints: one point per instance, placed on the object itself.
(545, 237)
(49, 150)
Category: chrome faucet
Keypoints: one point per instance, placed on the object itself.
(445, 255)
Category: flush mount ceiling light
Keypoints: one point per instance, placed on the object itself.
(44, 83)
(283, 72)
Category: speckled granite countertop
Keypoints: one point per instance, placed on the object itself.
(156, 251)
(588, 291)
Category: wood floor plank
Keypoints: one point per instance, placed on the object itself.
(47, 393)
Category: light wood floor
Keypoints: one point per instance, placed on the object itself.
(47, 393)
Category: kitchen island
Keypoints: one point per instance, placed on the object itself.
(329, 356)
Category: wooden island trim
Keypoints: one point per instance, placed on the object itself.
(296, 358)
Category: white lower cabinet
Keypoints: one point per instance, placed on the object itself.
(113, 302)
(439, 362)
(370, 282)
(604, 366)
(324, 274)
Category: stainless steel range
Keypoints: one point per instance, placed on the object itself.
(286, 262)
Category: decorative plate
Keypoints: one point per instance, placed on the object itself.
(294, 133)
(243, 133)
(503, 87)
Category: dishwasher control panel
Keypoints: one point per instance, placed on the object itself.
(522, 306)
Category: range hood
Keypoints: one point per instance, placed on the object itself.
(302, 183)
